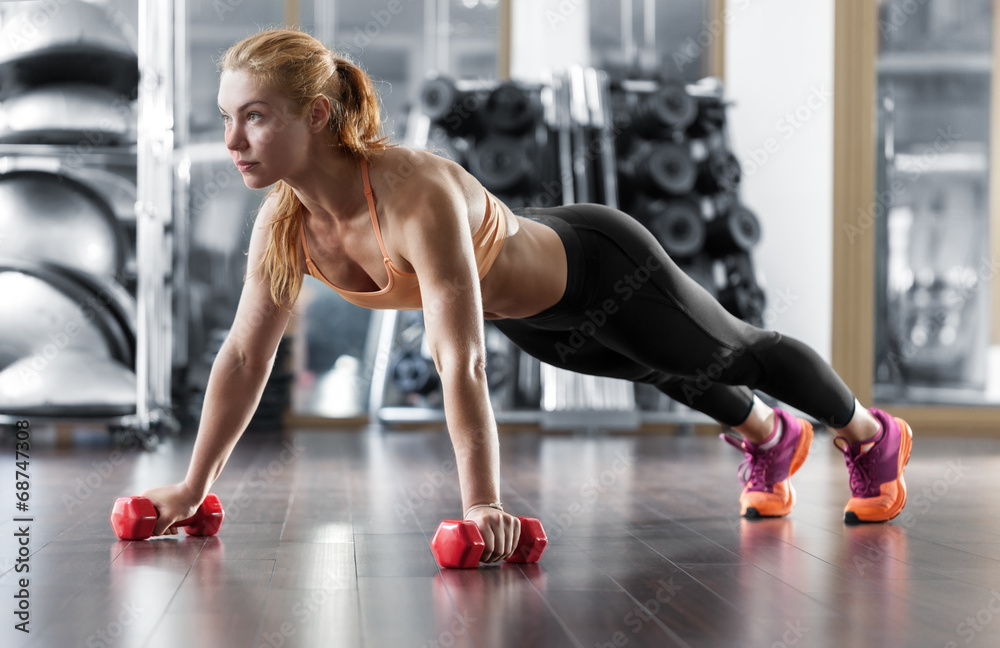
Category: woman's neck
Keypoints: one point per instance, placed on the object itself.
(329, 185)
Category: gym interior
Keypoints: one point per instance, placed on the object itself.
(822, 168)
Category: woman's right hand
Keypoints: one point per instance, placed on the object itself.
(173, 503)
(500, 532)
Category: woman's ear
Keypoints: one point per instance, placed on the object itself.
(319, 114)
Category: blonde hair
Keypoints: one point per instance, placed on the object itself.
(303, 69)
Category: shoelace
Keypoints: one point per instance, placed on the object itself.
(860, 476)
(750, 470)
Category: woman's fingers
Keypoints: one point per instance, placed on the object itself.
(500, 532)
(494, 546)
(513, 536)
(172, 504)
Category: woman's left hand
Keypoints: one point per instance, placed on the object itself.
(500, 532)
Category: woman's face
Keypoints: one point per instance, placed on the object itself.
(267, 140)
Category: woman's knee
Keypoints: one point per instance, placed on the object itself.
(744, 364)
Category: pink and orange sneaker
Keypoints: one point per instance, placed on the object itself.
(765, 474)
(878, 491)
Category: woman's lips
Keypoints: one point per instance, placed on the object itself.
(245, 166)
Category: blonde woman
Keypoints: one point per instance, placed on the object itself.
(584, 287)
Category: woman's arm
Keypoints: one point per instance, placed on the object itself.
(438, 244)
(235, 384)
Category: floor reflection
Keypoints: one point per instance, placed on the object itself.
(494, 606)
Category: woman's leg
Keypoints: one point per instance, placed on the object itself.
(632, 299)
(635, 301)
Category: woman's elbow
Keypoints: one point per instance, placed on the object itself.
(236, 357)
(461, 365)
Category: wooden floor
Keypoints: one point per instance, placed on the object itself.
(326, 544)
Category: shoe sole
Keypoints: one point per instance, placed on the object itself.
(799, 458)
(905, 445)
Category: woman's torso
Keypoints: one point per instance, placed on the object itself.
(527, 276)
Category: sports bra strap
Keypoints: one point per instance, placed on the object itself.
(371, 207)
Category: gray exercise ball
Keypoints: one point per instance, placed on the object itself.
(72, 383)
(49, 217)
(75, 114)
(40, 321)
(68, 40)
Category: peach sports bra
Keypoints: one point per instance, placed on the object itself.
(403, 290)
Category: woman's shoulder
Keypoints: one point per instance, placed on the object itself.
(413, 174)
(402, 163)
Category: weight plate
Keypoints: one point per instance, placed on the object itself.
(669, 169)
(437, 97)
(500, 163)
(509, 109)
(678, 226)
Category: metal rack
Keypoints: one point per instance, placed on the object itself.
(153, 158)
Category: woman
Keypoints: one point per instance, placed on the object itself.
(582, 287)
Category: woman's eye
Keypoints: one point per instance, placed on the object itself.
(224, 118)
(252, 117)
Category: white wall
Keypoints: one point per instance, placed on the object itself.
(779, 72)
(548, 34)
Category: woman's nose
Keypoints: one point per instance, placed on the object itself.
(235, 138)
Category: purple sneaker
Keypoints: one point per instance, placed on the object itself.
(878, 492)
(767, 491)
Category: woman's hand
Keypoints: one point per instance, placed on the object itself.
(173, 503)
(500, 532)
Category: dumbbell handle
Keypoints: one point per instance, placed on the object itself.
(458, 543)
(133, 518)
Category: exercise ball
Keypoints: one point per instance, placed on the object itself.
(50, 217)
(70, 40)
(46, 313)
(75, 114)
(73, 383)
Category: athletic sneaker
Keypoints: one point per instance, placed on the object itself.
(767, 490)
(878, 492)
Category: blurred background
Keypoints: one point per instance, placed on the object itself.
(725, 127)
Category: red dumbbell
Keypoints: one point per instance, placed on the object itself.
(458, 543)
(133, 518)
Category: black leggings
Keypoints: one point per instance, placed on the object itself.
(629, 312)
